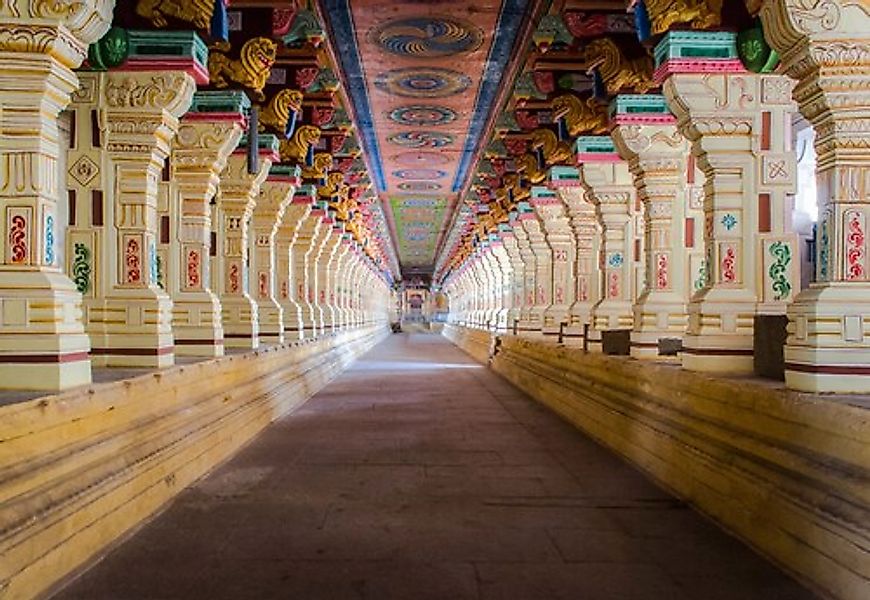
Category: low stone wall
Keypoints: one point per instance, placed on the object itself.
(79, 469)
(789, 473)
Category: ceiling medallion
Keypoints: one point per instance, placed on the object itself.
(419, 174)
(421, 159)
(419, 186)
(427, 37)
(421, 139)
(428, 115)
(427, 82)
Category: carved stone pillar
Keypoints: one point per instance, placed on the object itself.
(275, 196)
(609, 186)
(526, 325)
(325, 292)
(199, 154)
(239, 190)
(309, 237)
(130, 317)
(553, 216)
(43, 345)
(826, 50)
(646, 135)
(585, 229)
(336, 284)
(504, 293)
(738, 124)
(514, 292)
(288, 277)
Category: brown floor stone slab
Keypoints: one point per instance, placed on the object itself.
(420, 475)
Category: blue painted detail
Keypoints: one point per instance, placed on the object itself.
(343, 33)
(49, 239)
(503, 43)
(615, 260)
(729, 221)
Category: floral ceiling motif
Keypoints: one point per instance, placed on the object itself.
(423, 78)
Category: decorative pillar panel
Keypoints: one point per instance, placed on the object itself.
(239, 190)
(130, 317)
(504, 294)
(336, 285)
(325, 297)
(316, 235)
(276, 194)
(586, 232)
(308, 231)
(553, 215)
(826, 50)
(526, 326)
(534, 229)
(738, 124)
(43, 345)
(645, 134)
(609, 185)
(514, 293)
(208, 134)
(288, 277)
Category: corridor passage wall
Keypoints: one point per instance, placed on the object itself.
(787, 472)
(81, 468)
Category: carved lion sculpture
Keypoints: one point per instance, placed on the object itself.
(296, 148)
(528, 164)
(618, 72)
(700, 14)
(196, 12)
(581, 117)
(555, 152)
(251, 70)
(321, 165)
(277, 112)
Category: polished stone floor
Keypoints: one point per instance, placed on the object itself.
(420, 475)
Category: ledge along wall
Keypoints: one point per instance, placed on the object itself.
(79, 469)
(787, 472)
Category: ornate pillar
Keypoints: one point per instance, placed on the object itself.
(325, 292)
(43, 345)
(585, 229)
(208, 134)
(288, 277)
(826, 50)
(239, 190)
(645, 134)
(130, 315)
(514, 293)
(738, 124)
(609, 186)
(553, 216)
(275, 196)
(505, 291)
(526, 325)
(337, 273)
(308, 235)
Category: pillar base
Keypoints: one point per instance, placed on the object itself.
(838, 316)
(720, 333)
(131, 328)
(271, 322)
(654, 321)
(241, 322)
(196, 324)
(43, 345)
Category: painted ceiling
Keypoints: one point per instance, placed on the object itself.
(423, 77)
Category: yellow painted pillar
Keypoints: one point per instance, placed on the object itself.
(130, 315)
(294, 216)
(658, 157)
(609, 186)
(825, 49)
(308, 234)
(738, 124)
(553, 215)
(322, 267)
(276, 194)
(335, 271)
(239, 190)
(199, 154)
(586, 231)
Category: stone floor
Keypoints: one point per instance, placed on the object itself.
(420, 475)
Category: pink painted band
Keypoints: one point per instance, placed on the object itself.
(694, 65)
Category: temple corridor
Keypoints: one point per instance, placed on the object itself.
(420, 474)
